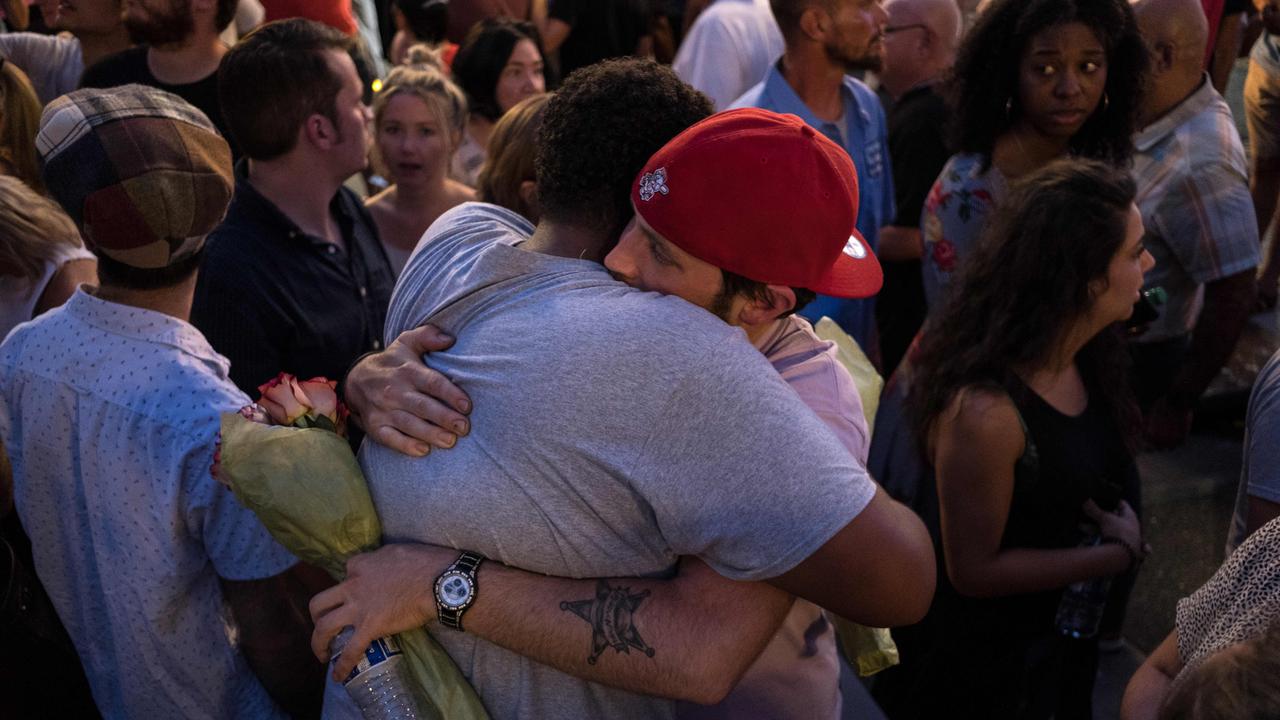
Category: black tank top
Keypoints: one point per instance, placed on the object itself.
(1002, 657)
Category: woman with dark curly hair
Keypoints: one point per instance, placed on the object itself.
(500, 63)
(1020, 408)
(1034, 80)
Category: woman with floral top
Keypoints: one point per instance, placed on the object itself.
(1034, 80)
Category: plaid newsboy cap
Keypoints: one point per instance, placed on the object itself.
(144, 174)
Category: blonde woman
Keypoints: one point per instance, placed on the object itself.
(19, 121)
(42, 260)
(419, 117)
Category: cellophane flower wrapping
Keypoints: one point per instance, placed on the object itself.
(306, 487)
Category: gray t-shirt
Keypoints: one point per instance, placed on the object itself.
(1260, 468)
(614, 430)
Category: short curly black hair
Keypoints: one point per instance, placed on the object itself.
(599, 130)
(985, 77)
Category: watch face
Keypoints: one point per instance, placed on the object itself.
(454, 590)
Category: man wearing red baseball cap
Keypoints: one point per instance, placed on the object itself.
(693, 236)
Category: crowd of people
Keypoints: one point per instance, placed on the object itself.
(608, 287)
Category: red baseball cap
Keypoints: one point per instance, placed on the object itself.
(763, 196)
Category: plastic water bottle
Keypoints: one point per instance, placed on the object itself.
(1080, 610)
(379, 684)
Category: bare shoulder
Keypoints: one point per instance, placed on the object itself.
(458, 193)
(983, 419)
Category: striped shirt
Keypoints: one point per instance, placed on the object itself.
(1193, 192)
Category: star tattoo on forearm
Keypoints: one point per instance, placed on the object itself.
(611, 615)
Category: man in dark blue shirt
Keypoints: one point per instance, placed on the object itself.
(294, 280)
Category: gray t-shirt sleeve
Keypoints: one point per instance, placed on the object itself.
(1262, 448)
(742, 474)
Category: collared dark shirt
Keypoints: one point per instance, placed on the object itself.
(273, 299)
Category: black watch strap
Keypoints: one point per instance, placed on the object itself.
(467, 564)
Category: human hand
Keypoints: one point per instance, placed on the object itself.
(1122, 525)
(403, 404)
(386, 591)
(1166, 426)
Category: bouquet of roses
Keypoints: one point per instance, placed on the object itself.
(287, 460)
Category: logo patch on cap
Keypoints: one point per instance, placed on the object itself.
(854, 248)
(652, 183)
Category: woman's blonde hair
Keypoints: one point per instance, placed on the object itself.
(423, 76)
(19, 122)
(512, 148)
(32, 228)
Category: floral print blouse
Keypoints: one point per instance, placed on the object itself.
(955, 213)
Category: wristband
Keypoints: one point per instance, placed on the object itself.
(1135, 558)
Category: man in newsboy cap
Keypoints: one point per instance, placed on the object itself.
(109, 409)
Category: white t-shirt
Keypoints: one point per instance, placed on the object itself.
(729, 49)
(18, 296)
(614, 431)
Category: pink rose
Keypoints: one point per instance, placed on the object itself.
(280, 401)
(320, 396)
(303, 403)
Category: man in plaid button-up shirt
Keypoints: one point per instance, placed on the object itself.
(1193, 192)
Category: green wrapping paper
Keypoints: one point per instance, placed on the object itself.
(307, 489)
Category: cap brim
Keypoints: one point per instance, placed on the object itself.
(855, 274)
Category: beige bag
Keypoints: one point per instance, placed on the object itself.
(869, 650)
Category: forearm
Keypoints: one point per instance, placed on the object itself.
(1149, 686)
(896, 243)
(658, 637)
(274, 628)
(879, 570)
(689, 637)
(17, 13)
(1227, 304)
(1225, 50)
(538, 15)
(1016, 571)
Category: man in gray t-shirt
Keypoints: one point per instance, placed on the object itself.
(616, 431)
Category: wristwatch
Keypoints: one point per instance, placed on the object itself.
(456, 589)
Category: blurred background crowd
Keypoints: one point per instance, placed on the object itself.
(951, 111)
